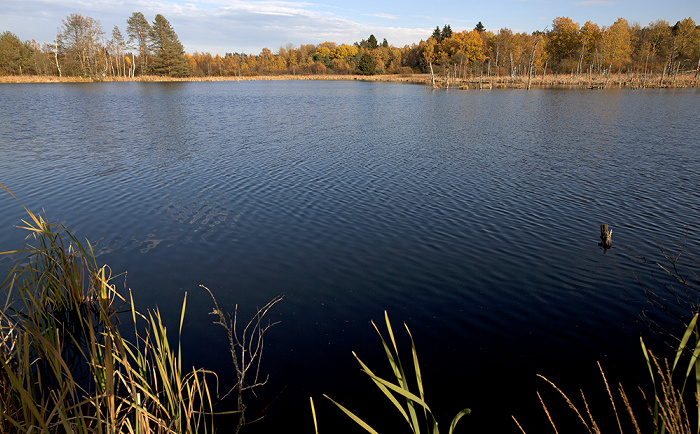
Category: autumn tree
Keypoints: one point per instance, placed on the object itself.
(563, 43)
(502, 42)
(617, 46)
(658, 39)
(462, 49)
(537, 37)
(686, 37)
(265, 61)
(590, 40)
(41, 58)
(429, 51)
(139, 31)
(322, 55)
(168, 52)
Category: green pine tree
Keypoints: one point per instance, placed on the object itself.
(446, 32)
(372, 42)
(366, 64)
(437, 35)
(168, 53)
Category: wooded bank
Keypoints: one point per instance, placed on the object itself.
(621, 54)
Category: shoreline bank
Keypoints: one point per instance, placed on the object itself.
(629, 80)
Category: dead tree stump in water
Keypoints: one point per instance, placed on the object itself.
(605, 236)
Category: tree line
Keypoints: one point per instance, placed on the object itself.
(81, 48)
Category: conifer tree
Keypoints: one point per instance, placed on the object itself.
(446, 32)
(15, 55)
(168, 53)
(437, 34)
(372, 42)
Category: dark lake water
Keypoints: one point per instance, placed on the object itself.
(473, 216)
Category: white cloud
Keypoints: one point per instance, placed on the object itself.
(216, 26)
(387, 16)
(595, 3)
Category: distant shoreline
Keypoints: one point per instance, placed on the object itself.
(583, 81)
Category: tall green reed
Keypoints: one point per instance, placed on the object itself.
(66, 367)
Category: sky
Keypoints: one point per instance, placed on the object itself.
(248, 26)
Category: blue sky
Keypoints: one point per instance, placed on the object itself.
(220, 26)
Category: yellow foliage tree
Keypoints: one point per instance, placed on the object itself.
(687, 39)
(617, 46)
(344, 51)
(564, 40)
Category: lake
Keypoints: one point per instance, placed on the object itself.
(472, 216)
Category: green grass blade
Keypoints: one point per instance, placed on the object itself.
(697, 392)
(416, 366)
(399, 372)
(352, 416)
(456, 419)
(401, 391)
(655, 413)
(26, 397)
(684, 341)
(391, 332)
(384, 390)
(394, 363)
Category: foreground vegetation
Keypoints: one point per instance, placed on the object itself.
(67, 366)
(672, 403)
(81, 49)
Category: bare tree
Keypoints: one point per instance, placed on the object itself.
(531, 60)
(118, 48)
(138, 29)
(80, 37)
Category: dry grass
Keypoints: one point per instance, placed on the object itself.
(583, 81)
(669, 402)
(413, 78)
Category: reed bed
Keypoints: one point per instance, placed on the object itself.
(67, 367)
(66, 362)
(633, 80)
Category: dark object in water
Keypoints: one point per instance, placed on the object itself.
(605, 237)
